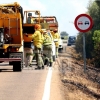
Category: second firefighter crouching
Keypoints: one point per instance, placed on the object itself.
(47, 48)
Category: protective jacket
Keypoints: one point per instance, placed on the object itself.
(57, 37)
(37, 38)
(47, 39)
(52, 33)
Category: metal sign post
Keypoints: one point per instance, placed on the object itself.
(84, 52)
(83, 23)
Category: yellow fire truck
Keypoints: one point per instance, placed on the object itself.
(11, 35)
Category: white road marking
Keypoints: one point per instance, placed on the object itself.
(46, 94)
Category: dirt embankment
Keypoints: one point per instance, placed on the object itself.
(78, 85)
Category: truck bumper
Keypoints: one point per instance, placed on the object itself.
(10, 59)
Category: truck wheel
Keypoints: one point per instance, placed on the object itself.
(17, 66)
(10, 63)
(60, 50)
(1, 61)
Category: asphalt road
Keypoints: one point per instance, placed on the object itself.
(30, 84)
(26, 85)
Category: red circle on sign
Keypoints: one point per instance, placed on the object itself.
(83, 15)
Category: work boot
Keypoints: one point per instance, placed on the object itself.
(50, 64)
(42, 67)
(56, 56)
(38, 68)
(46, 61)
(30, 65)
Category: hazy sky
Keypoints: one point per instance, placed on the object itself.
(65, 10)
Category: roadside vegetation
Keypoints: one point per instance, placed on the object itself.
(78, 84)
(64, 35)
(92, 38)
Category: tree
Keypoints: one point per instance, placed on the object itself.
(94, 12)
(96, 39)
(64, 35)
(79, 43)
(98, 2)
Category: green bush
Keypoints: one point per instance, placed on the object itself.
(96, 39)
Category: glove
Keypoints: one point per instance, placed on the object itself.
(41, 31)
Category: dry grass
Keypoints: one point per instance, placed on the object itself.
(79, 85)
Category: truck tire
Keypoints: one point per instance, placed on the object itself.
(60, 50)
(1, 61)
(10, 63)
(17, 66)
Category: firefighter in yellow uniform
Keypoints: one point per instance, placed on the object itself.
(47, 48)
(56, 38)
(38, 41)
